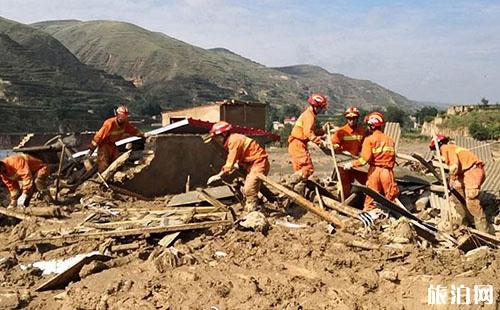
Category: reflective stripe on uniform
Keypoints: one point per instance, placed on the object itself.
(117, 132)
(352, 138)
(246, 143)
(26, 182)
(298, 124)
(381, 149)
(362, 161)
(459, 149)
(94, 143)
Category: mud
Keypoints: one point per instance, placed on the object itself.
(228, 268)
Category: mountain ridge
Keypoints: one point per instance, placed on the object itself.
(174, 73)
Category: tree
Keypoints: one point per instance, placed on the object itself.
(397, 115)
(478, 131)
(484, 101)
(426, 114)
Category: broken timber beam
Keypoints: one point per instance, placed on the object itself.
(303, 202)
(337, 206)
(128, 193)
(211, 199)
(16, 215)
(115, 165)
(129, 232)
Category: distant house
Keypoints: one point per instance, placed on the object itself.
(247, 114)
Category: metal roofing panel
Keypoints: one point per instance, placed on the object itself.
(393, 130)
(437, 202)
(481, 149)
(492, 183)
(195, 126)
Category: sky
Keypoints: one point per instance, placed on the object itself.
(438, 51)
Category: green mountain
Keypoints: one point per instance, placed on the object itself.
(173, 73)
(43, 86)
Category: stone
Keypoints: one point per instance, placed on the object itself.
(255, 221)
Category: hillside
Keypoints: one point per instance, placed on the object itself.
(174, 73)
(42, 83)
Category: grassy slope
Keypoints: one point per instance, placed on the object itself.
(176, 73)
(37, 71)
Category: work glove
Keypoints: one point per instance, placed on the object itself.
(347, 166)
(213, 179)
(21, 200)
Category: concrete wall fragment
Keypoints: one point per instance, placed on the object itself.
(176, 157)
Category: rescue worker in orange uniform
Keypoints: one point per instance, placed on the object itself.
(26, 169)
(245, 152)
(379, 152)
(112, 130)
(349, 138)
(304, 131)
(466, 176)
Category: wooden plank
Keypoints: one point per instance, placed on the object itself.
(334, 159)
(115, 165)
(118, 224)
(167, 240)
(129, 232)
(330, 218)
(344, 209)
(14, 214)
(210, 199)
(128, 193)
(192, 197)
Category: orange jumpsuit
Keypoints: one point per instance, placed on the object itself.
(250, 155)
(302, 132)
(25, 168)
(348, 139)
(468, 170)
(106, 137)
(379, 152)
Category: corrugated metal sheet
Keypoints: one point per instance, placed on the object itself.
(437, 202)
(491, 185)
(393, 130)
(481, 149)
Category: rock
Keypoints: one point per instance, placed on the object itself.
(255, 221)
(9, 300)
(480, 253)
(389, 275)
(61, 296)
(8, 262)
(91, 268)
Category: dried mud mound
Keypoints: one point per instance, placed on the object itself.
(287, 269)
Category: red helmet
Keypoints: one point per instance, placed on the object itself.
(351, 112)
(318, 100)
(442, 139)
(219, 128)
(122, 110)
(375, 119)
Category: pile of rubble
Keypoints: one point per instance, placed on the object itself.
(115, 242)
